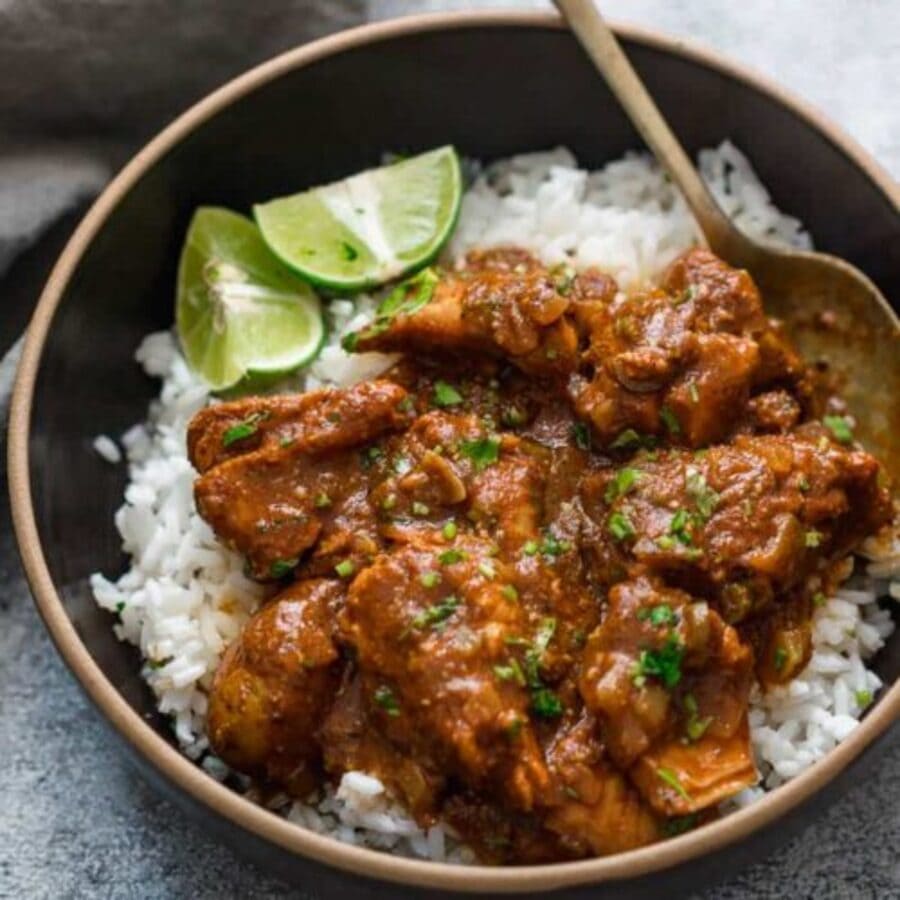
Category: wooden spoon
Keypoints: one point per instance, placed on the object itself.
(834, 312)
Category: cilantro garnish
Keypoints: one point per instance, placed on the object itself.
(620, 526)
(437, 614)
(446, 395)
(482, 451)
(840, 427)
(664, 664)
(385, 698)
(242, 430)
(581, 435)
(282, 567)
(625, 479)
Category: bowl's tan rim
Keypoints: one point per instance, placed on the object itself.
(177, 768)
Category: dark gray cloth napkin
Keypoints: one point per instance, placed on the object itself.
(84, 82)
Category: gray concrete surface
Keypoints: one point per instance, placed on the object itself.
(75, 821)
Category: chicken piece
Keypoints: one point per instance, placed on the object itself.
(592, 807)
(275, 502)
(434, 628)
(275, 684)
(669, 683)
(315, 423)
(679, 362)
(503, 303)
(448, 466)
(351, 742)
(739, 522)
(274, 505)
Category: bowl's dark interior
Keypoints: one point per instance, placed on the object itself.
(491, 91)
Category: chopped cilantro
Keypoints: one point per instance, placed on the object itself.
(840, 427)
(429, 579)
(446, 395)
(581, 435)
(812, 538)
(863, 698)
(242, 430)
(705, 498)
(385, 698)
(509, 591)
(672, 780)
(530, 548)
(803, 484)
(511, 672)
(322, 501)
(482, 451)
(285, 440)
(819, 599)
(449, 530)
(780, 658)
(389, 502)
(345, 569)
(420, 509)
(553, 546)
(670, 420)
(282, 567)
(437, 614)
(449, 557)
(486, 569)
(627, 439)
(664, 664)
(620, 526)
(512, 415)
(662, 614)
(678, 527)
(546, 704)
(625, 479)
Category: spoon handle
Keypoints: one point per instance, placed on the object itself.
(601, 45)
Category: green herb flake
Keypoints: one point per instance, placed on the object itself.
(345, 569)
(812, 538)
(819, 599)
(620, 526)
(385, 698)
(449, 531)
(511, 672)
(705, 498)
(672, 780)
(436, 615)
(626, 440)
(420, 509)
(662, 614)
(863, 698)
(282, 567)
(581, 435)
(322, 501)
(780, 658)
(552, 545)
(530, 548)
(389, 502)
(670, 420)
(840, 427)
(663, 664)
(242, 430)
(509, 592)
(546, 704)
(286, 440)
(624, 480)
(483, 452)
(402, 465)
(803, 484)
(449, 557)
(446, 395)
(429, 579)
(486, 569)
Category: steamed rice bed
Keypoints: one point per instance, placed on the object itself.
(185, 597)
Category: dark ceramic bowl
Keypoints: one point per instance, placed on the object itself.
(492, 84)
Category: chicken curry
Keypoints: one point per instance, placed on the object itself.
(528, 577)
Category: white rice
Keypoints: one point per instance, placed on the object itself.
(185, 597)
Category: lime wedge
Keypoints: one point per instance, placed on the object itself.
(238, 311)
(369, 228)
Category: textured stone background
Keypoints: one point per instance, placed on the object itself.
(75, 821)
